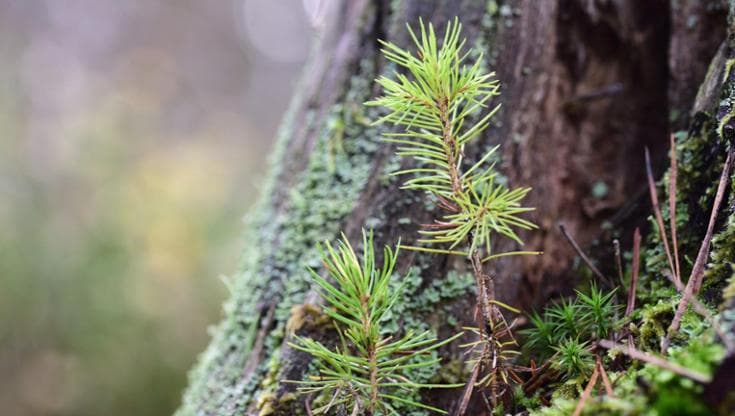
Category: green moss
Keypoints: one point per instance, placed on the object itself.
(266, 403)
(655, 319)
(306, 315)
(646, 389)
(568, 390)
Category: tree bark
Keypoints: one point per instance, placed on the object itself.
(586, 86)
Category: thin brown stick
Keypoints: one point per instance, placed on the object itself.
(489, 313)
(672, 206)
(542, 374)
(635, 354)
(657, 213)
(586, 393)
(697, 305)
(618, 261)
(695, 278)
(605, 379)
(581, 254)
(485, 286)
(469, 387)
(257, 350)
(634, 272)
(307, 405)
(704, 312)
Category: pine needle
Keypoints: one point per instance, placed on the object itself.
(695, 278)
(672, 205)
(586, 393)
(635, 354)
(583, 256)
(657, 214)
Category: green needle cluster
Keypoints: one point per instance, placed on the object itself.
(364, 372)
(441, 105)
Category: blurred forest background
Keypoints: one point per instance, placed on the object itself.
(133, 136)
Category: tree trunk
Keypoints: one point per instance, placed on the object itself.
(586, 86)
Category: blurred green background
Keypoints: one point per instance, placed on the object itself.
(133, 136)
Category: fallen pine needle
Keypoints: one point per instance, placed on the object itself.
(635, 354)
(657, 213)
(672, 206)
(605, 378)
(583, 256)
(587, 392)
(630, 307)
(695, 278)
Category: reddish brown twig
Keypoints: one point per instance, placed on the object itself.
(307, 405)
(635, 354)
(447, 205)
(468, 388)
(598, 371)
(630, 307)
(702, 310)
(583, 256)
(587, 392)
(657, 213)
(695, 278)
(542, 374)
(605, 379)
(618, 261)
(672, 206)
(257, 350)
(635, 268)
(696, 303)
(438, 225)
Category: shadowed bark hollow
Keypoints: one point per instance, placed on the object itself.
(586, 86)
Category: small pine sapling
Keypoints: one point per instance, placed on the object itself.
(440, 107)
(365, 372)
(434, 109)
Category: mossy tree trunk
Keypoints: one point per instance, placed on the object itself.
(586, 86)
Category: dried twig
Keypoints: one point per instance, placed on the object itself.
(598, 371)
(630, 307)
(469, 387)
(307, 405)
(695, 278)
(672, 206)
(605, 379)
(542, 374)
(584, 257)
(704, 312)
(697, 305)
(635, 354)
(257, 350)
(618, 261)
(657, 213)
(586, 393)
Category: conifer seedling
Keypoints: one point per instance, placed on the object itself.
(440, 106)
(365, 372)
(436, 109)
